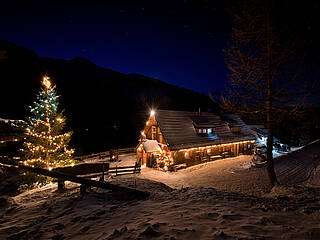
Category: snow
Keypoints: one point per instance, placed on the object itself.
(151, 146)
(232, 174)
(224, 199)
(186, 213)
(261, 139)
(9, 120)
(124, 160)
(5, 120)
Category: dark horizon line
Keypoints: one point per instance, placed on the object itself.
(214, 93)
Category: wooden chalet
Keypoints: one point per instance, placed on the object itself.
(180, 137)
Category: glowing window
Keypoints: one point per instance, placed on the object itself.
(153, 129)
(199, 130)
(209, 130)
(186, 155)
(204, 130)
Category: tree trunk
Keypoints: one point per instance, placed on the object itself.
(270, 164)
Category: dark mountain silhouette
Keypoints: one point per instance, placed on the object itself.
(104, 108)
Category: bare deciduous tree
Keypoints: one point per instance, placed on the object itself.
(265, 80)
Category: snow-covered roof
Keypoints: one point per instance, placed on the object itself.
(178, 128)
(151, 146)
(5, 120)
(258, 129)
(9, 120)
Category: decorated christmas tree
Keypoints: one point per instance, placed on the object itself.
(46, 145)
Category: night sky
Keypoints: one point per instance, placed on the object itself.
(179, 42)
(175, 41)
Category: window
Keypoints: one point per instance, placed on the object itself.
(204, 130)
(235, 129)
(199, 130)
(153, 137)
(209, 130)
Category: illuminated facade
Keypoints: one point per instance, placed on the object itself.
(180, 137)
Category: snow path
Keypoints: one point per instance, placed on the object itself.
(212, 174)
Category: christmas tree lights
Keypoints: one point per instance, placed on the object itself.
(46, 145)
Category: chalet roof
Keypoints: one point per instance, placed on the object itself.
(178, 128)
(258, 129)
(202, 121)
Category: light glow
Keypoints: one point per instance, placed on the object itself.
(219, 145)
(46, 82)
(152, 112)
(59, 119)
(45, 144)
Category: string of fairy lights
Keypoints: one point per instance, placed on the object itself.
(46, 146)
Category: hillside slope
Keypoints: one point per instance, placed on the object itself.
(185, 213)
(105, 108)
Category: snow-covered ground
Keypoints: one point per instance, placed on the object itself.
(186, 213)
(225, 199)
(301, 167)
(199, 175)
(124, 160)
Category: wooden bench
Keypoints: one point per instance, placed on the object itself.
(215, 157)
(225, 154)
(180, 166)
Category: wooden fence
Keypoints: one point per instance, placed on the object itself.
(91, 170)
(105, 154)
(69, 174)
(115, 171)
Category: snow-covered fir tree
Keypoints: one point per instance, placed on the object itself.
(46, 145)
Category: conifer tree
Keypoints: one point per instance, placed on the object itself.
(46, 145)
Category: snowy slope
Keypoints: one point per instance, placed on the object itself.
(187, 213)
(190, 209)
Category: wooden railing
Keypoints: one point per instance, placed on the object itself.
(105, 154)
(70, 174)
(124, 170)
